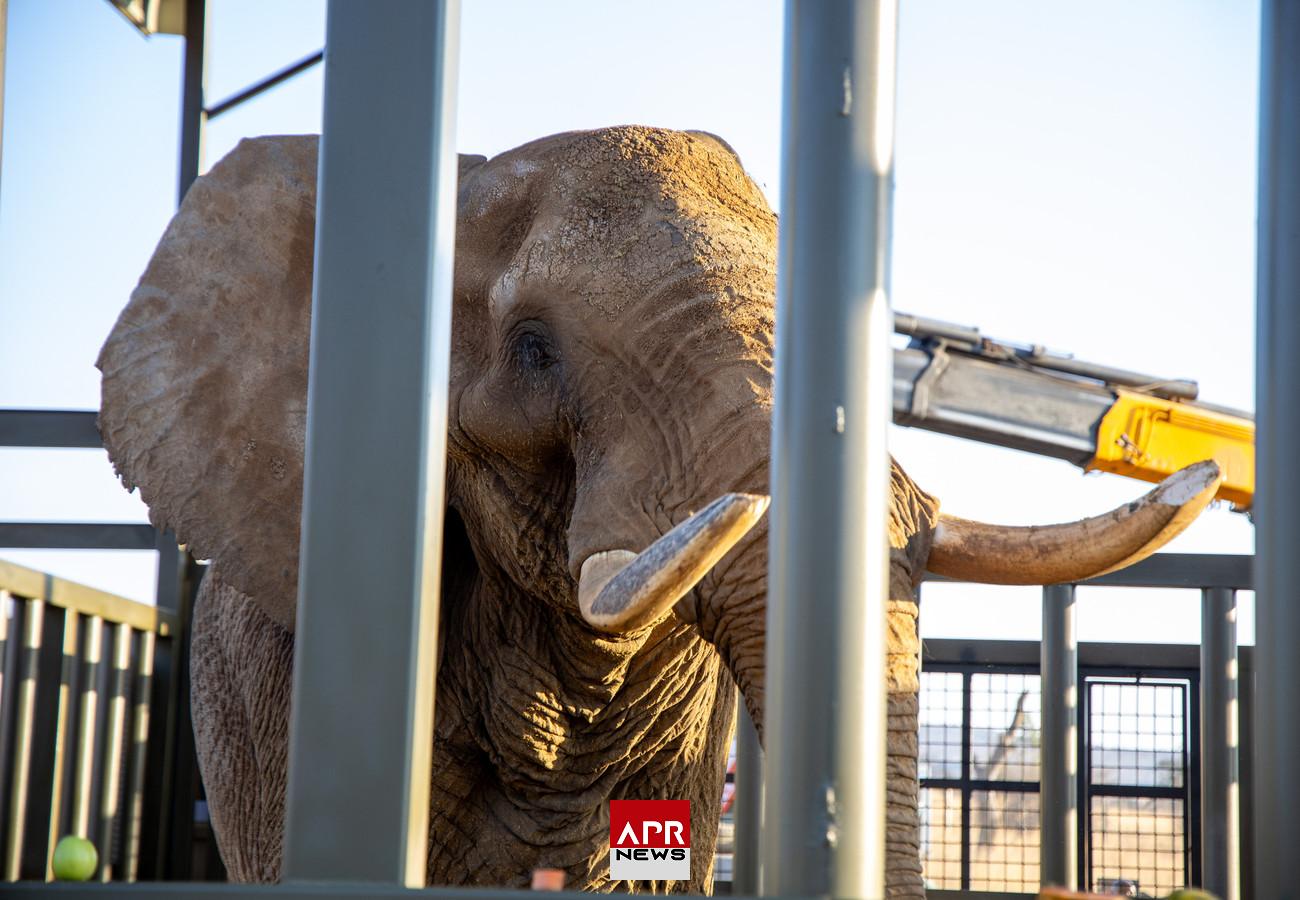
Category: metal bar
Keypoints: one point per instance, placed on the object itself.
(137, 754)
(75, 536)
(261, 87)
(966, 789)
(11, 623)
(194, 79)
(1220, 831)
(4, 20)
(828, 560)
(358, 808)
(1083, 751)
(1246, 794)
(169, 665)
(1059, 802)
(88, 719)
(1277, 498)
(183, 787)
(998, 404)
(49, 427)
(746, 864)
(114, 736)
(42, 770)
(24, 582)
(1193, 769)
(24, 716)
(1181, 570)
(63, 729)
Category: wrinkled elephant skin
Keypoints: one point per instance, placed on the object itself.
(611, 374)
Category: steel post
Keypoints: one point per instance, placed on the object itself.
(746, 859)
(1220, 832)
(4, 27)
(828, 563)
(362, 723)
(194, 80)
(1059, 800)
(1277, 498)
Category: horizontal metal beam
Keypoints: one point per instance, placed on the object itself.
(1163, 657)
(33, 585)
(77, 536)
(999, 404)
(49, 428)
(1173, 570)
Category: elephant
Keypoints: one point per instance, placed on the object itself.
(605, 549)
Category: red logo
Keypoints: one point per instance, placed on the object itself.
(650, 840)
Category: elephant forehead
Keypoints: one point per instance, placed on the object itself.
(612, 215)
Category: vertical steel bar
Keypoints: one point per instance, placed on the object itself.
(87, 730)
(194, 80)
(137, 756)
(114, 733)
(746, 863)
(4, 27)
(362, 723)
(1220, 831)
(1059, 800)
(11, 623)
(63, 730)
(828, 561)
(1277, 500)
(25, 711)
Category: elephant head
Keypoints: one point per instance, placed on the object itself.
(608, 436)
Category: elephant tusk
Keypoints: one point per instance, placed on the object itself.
(1052, 554)
(619, 590)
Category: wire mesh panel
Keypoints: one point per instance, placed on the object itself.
(1137, 733)
(942, 704)
(1138, 842)
(980, 750)
(941, 837)
(1138, 804)
(1004, 841)
(1004, 732)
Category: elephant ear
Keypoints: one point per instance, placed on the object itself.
(204, 393)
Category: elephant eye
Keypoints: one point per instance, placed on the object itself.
(533, 351)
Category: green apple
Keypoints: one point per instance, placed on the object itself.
(1191, 893)
(75, 859)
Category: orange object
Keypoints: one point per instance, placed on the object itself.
(548, 879)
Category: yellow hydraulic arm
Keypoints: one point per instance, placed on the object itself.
(953, 380)
(1149, 437)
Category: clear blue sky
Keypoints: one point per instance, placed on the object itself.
(1079, 176)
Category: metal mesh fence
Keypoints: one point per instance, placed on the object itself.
(979, 765)
(1004, 841)
(941, 837)
(1138, 757)
(1004, 729)
(1138, 842)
